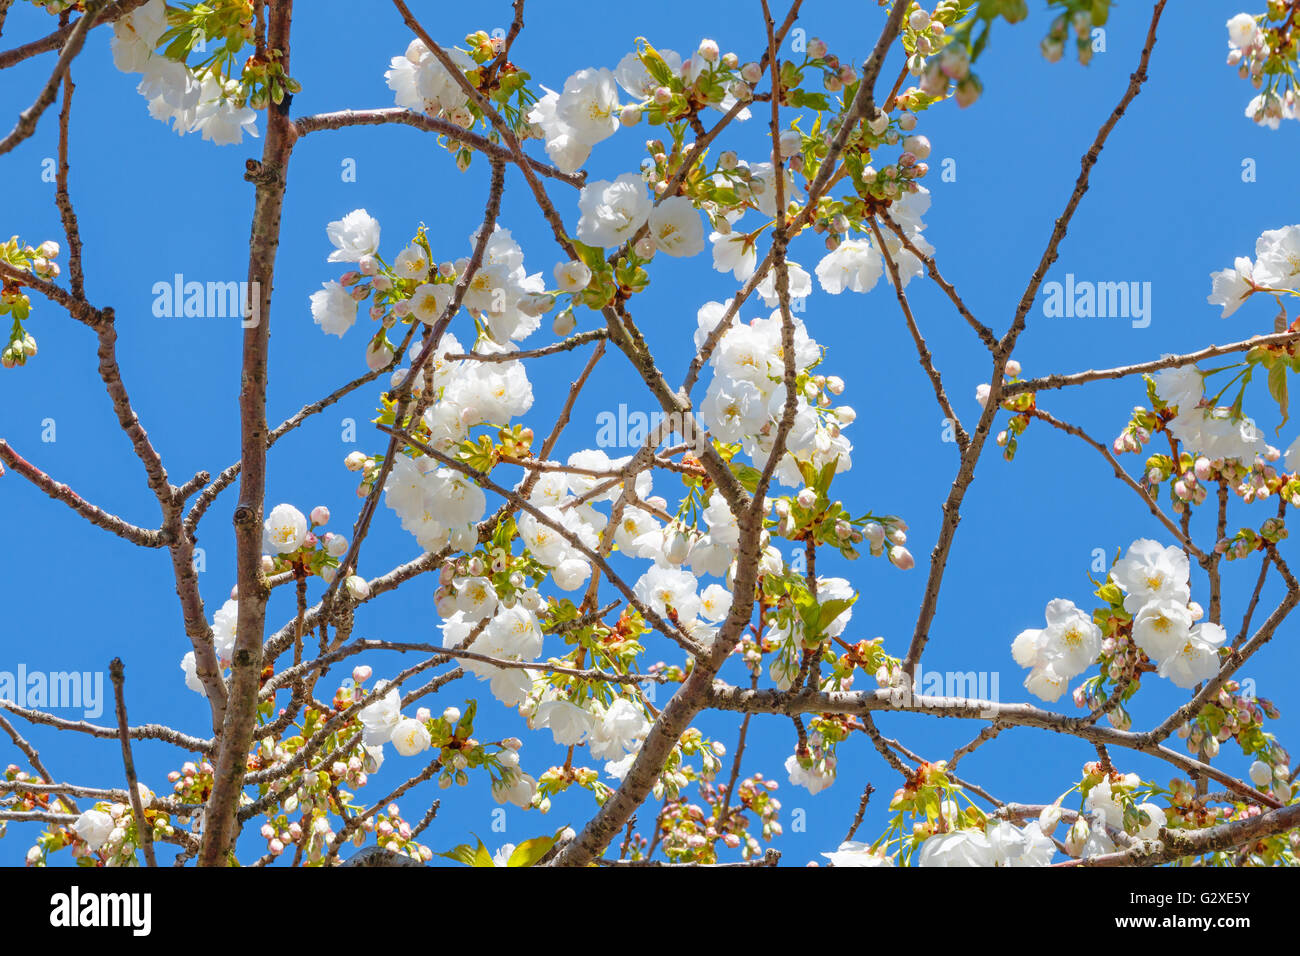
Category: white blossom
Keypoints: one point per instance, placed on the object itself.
(1152, 572)
(333, 309)
(94, 826)
(855, 265)
(410, 737)
(676, 227)
(957, 848)
(285, 529)
(1230, 287)
(354, 237)
(612, 212)
(852, 853)
(1197, 659)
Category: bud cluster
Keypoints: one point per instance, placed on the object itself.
(15, 303)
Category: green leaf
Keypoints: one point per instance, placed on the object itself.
(470, 855)
(928, 803)
(747, 476)
(592, 256)
(826, 475)
(1277, 387)
(530, 851)
(465, 727)
(725, 196)
(832, 609)
(816, 101)
(656, 66)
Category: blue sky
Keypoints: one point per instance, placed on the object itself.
(1168, 205)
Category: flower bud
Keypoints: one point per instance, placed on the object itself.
(378, 355)
(1077, 836)
(564, 323)
(902, 558)
(676, 546)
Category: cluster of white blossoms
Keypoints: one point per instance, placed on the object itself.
(505, 633)
(614, 212)
(485, 625)
(611, 732)
(1249, 50)
(1214, 433)
(853, 265)
(1157, 594)
(1276, 269)
(192, 104)
(1062, 650)
(856, 265)
(223, 642)
(437, 505)
(355, 237)
(104, 827)
(383, 723)
(420, 82)
(562, 533)
(502, 296)
(587, 110)
(746, 399)
(1110, 808)
(287, 534)
(1155, 581)
(1107, 809)
(1219, 433)
(574, 121)
(999, 844)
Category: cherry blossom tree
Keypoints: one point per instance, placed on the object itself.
(567, 590)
